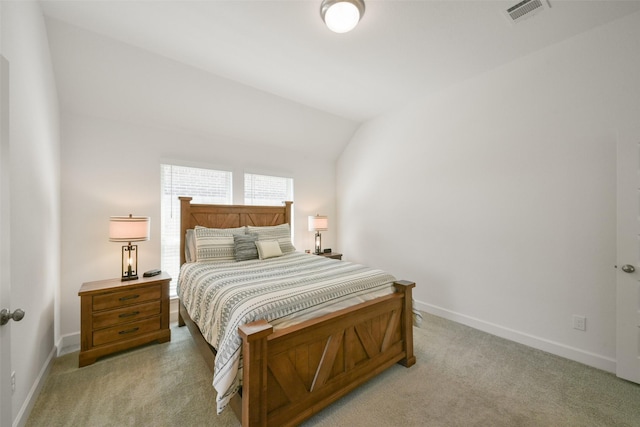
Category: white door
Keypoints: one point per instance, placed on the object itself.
(5, 289)
(628, 257)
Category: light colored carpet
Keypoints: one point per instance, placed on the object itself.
(463, 377)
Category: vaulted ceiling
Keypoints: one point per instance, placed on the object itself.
(399, 51)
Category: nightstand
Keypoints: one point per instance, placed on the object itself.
(333, 255)
(117, 315)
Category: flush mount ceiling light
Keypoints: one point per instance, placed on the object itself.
(341, 16)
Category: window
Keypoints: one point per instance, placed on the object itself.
(205, 186)
(267, 190)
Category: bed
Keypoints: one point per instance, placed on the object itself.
(291, 372)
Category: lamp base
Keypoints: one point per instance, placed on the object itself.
(129, 262)
(318, 243)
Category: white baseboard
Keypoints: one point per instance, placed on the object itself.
(173, 309)
(68, 343)
(591, 359)
(34, 392)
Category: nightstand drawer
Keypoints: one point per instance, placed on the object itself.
(130, 330)
(126, 314)
(128, 297)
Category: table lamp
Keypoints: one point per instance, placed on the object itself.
(318, 223)
(129, 229)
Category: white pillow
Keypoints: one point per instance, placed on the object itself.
(268, 249)
(190, 246)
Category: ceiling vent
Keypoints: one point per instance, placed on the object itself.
(525, 9)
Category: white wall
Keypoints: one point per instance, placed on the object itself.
(497, 196)
(113, 168)
(126, 111)
(35, 197)
(99, 76)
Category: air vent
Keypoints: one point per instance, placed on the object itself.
(525, 9)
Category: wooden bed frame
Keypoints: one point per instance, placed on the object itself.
(292, 373)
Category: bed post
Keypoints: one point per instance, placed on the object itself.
(406, 287)
(185, 208)
(287, 212)
(254, 388)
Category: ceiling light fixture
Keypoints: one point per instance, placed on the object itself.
(341, 16)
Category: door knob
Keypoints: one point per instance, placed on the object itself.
(6, 315)
(627, 268)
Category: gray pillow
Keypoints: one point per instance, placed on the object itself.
(244, 246)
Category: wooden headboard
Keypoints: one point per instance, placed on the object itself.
(228, 216)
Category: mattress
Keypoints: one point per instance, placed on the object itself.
(221, 296)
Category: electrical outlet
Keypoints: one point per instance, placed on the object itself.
(579, 322)
(13, 381)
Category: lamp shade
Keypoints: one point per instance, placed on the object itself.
(341, 16)
(318, 223)
(129, 228)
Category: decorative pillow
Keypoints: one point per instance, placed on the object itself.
(245, 246)
(268, 249)
(281, 233)
(216, 244)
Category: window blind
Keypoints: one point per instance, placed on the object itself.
(205, 186)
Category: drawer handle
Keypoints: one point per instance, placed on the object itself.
(129, 297)
(133, 313)
(128, 331)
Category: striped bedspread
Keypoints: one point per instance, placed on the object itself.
(221, 296)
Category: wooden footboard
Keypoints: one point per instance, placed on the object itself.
(293, 373)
